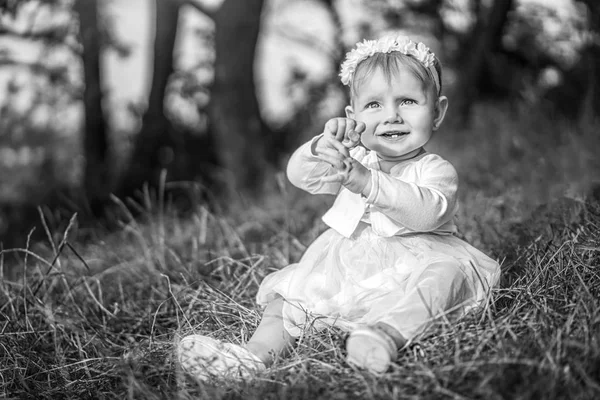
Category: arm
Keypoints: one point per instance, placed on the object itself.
(315, 166)
(423, 205)
(305, 170)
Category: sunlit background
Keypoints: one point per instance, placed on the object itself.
(143, 193)
(298, 52)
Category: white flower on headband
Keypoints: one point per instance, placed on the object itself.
(386, 44)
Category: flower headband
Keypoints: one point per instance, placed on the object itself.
(388, 44)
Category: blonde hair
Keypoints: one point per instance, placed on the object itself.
(390, 64)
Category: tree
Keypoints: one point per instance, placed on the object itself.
(546, 45)
(96, 177)
(152, 150)
(484, 40)
(590, 103)
(235, 140)
(235, 121)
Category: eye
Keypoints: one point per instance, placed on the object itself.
(372, 104)
(408, 102)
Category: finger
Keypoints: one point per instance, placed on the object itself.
(352, 139)
(335, 178)
(360, 127)
(341, 129)
(335, 128)
(332, 152)
(337, 165)
(338, 146)
(329, 143)
(334, 159)
(350, 124)
(331, 127)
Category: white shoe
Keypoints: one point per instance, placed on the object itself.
(371, 349)
(205, 357)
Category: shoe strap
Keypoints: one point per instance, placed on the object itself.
(391, 343)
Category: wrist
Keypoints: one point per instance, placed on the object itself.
(366, 190)
(358, 178)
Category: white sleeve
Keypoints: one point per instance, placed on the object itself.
(424, 204)
(305, 170)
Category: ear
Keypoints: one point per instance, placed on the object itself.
(349, 112)
(440, 112)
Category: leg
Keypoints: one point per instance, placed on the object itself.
(441, 288)
(270, 338)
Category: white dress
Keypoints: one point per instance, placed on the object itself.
(391, 257)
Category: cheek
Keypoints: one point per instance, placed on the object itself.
(369, 121)
(425, 119)
(369, 131)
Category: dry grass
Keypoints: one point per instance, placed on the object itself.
(98, 318)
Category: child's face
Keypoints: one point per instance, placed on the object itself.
(400, 114)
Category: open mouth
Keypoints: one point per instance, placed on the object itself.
(393, 134)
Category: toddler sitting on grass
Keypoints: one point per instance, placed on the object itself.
(390, 263)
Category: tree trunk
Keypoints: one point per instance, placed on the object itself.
(338, 57)
(485, 38)
(590, 109)
(235, 120)
(153, 149)
(306, 122)
(96, 177)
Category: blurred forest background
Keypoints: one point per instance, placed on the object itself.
(142, 194)
(206, 99)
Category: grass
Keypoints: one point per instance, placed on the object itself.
(94, 315)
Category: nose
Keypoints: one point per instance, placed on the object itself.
(393, 115)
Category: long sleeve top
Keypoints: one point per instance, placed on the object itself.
(418, 195)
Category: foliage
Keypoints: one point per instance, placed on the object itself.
(94, 315)
(11, 7)
(50, 24)
(38, 153)
(546, 35)
(41, 110)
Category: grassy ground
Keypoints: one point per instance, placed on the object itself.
(94, 315)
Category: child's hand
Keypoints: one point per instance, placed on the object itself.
(353, 175)
(346, 130)
(339, 135)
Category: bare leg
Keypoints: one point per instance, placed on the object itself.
(270, 338)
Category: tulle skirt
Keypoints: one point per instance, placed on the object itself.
(404, 281)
